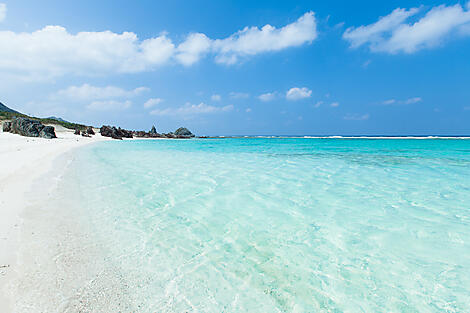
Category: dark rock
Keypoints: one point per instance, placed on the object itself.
(153, 131)
(47, 132)
(183, 132)
(108, 131)
(141, 134)
(115, 133)
(169, 135)
(6, 126)
(31, 128)
(85, 135)
(124, 133)
(90, 130)
(77, 132)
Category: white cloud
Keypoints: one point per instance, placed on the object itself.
(373, 33)
(413, 100)
(298, 93)
(356, 117)
(388, 102)
(193, 48)
(269, 96)
(152, 102)
(216, 97)
(248, 110)
(88, 92)
(3, 12)
(192, 109)
(53, 52)
(318, 104)
(392, 34)
(406, 101)
(239, 95)
(252, 40)
(109, 105)
(334, 104)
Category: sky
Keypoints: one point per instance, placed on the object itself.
(241, 67)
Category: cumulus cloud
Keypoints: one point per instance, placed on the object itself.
(298, 93)
(334, 104)
(3, 12)
(109, 105)
(269, 96)
(248, 110)
(152, 102)
(192, 109)
(216, 97)
(193, 48)
(392, 33)
(318, 104)
(253, 40)
(356, 117)
(89, 92)
(53, 51)
(239, 95)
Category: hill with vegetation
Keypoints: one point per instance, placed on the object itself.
(7, 114)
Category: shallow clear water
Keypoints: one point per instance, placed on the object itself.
(282, 225)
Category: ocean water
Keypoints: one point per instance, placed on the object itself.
(262, 225)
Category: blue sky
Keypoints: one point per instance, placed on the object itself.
(242, 67)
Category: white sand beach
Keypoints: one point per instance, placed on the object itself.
(22, 161)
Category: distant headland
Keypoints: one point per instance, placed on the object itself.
(29, 126)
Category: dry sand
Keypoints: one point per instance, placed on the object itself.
(22, 161)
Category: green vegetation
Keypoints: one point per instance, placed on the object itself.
(9, 115)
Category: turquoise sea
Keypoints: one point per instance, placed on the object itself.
(275, 225)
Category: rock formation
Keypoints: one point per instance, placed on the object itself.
(31, 128)
(77, 132)
(183, 132)
(47, 132)
(90, 130)
(6, 127)
(115, 133)
(118, 133)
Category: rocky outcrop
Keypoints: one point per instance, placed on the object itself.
(90, 130)
(31, 128)
(115, 133)
(151, 134)
(77, 132)
(6, 127)
(169, 135)
(119, 133)
(183, 132)
(143, 134)
(47, 132)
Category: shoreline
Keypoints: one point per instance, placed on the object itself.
(23, 160)
(68, 255)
